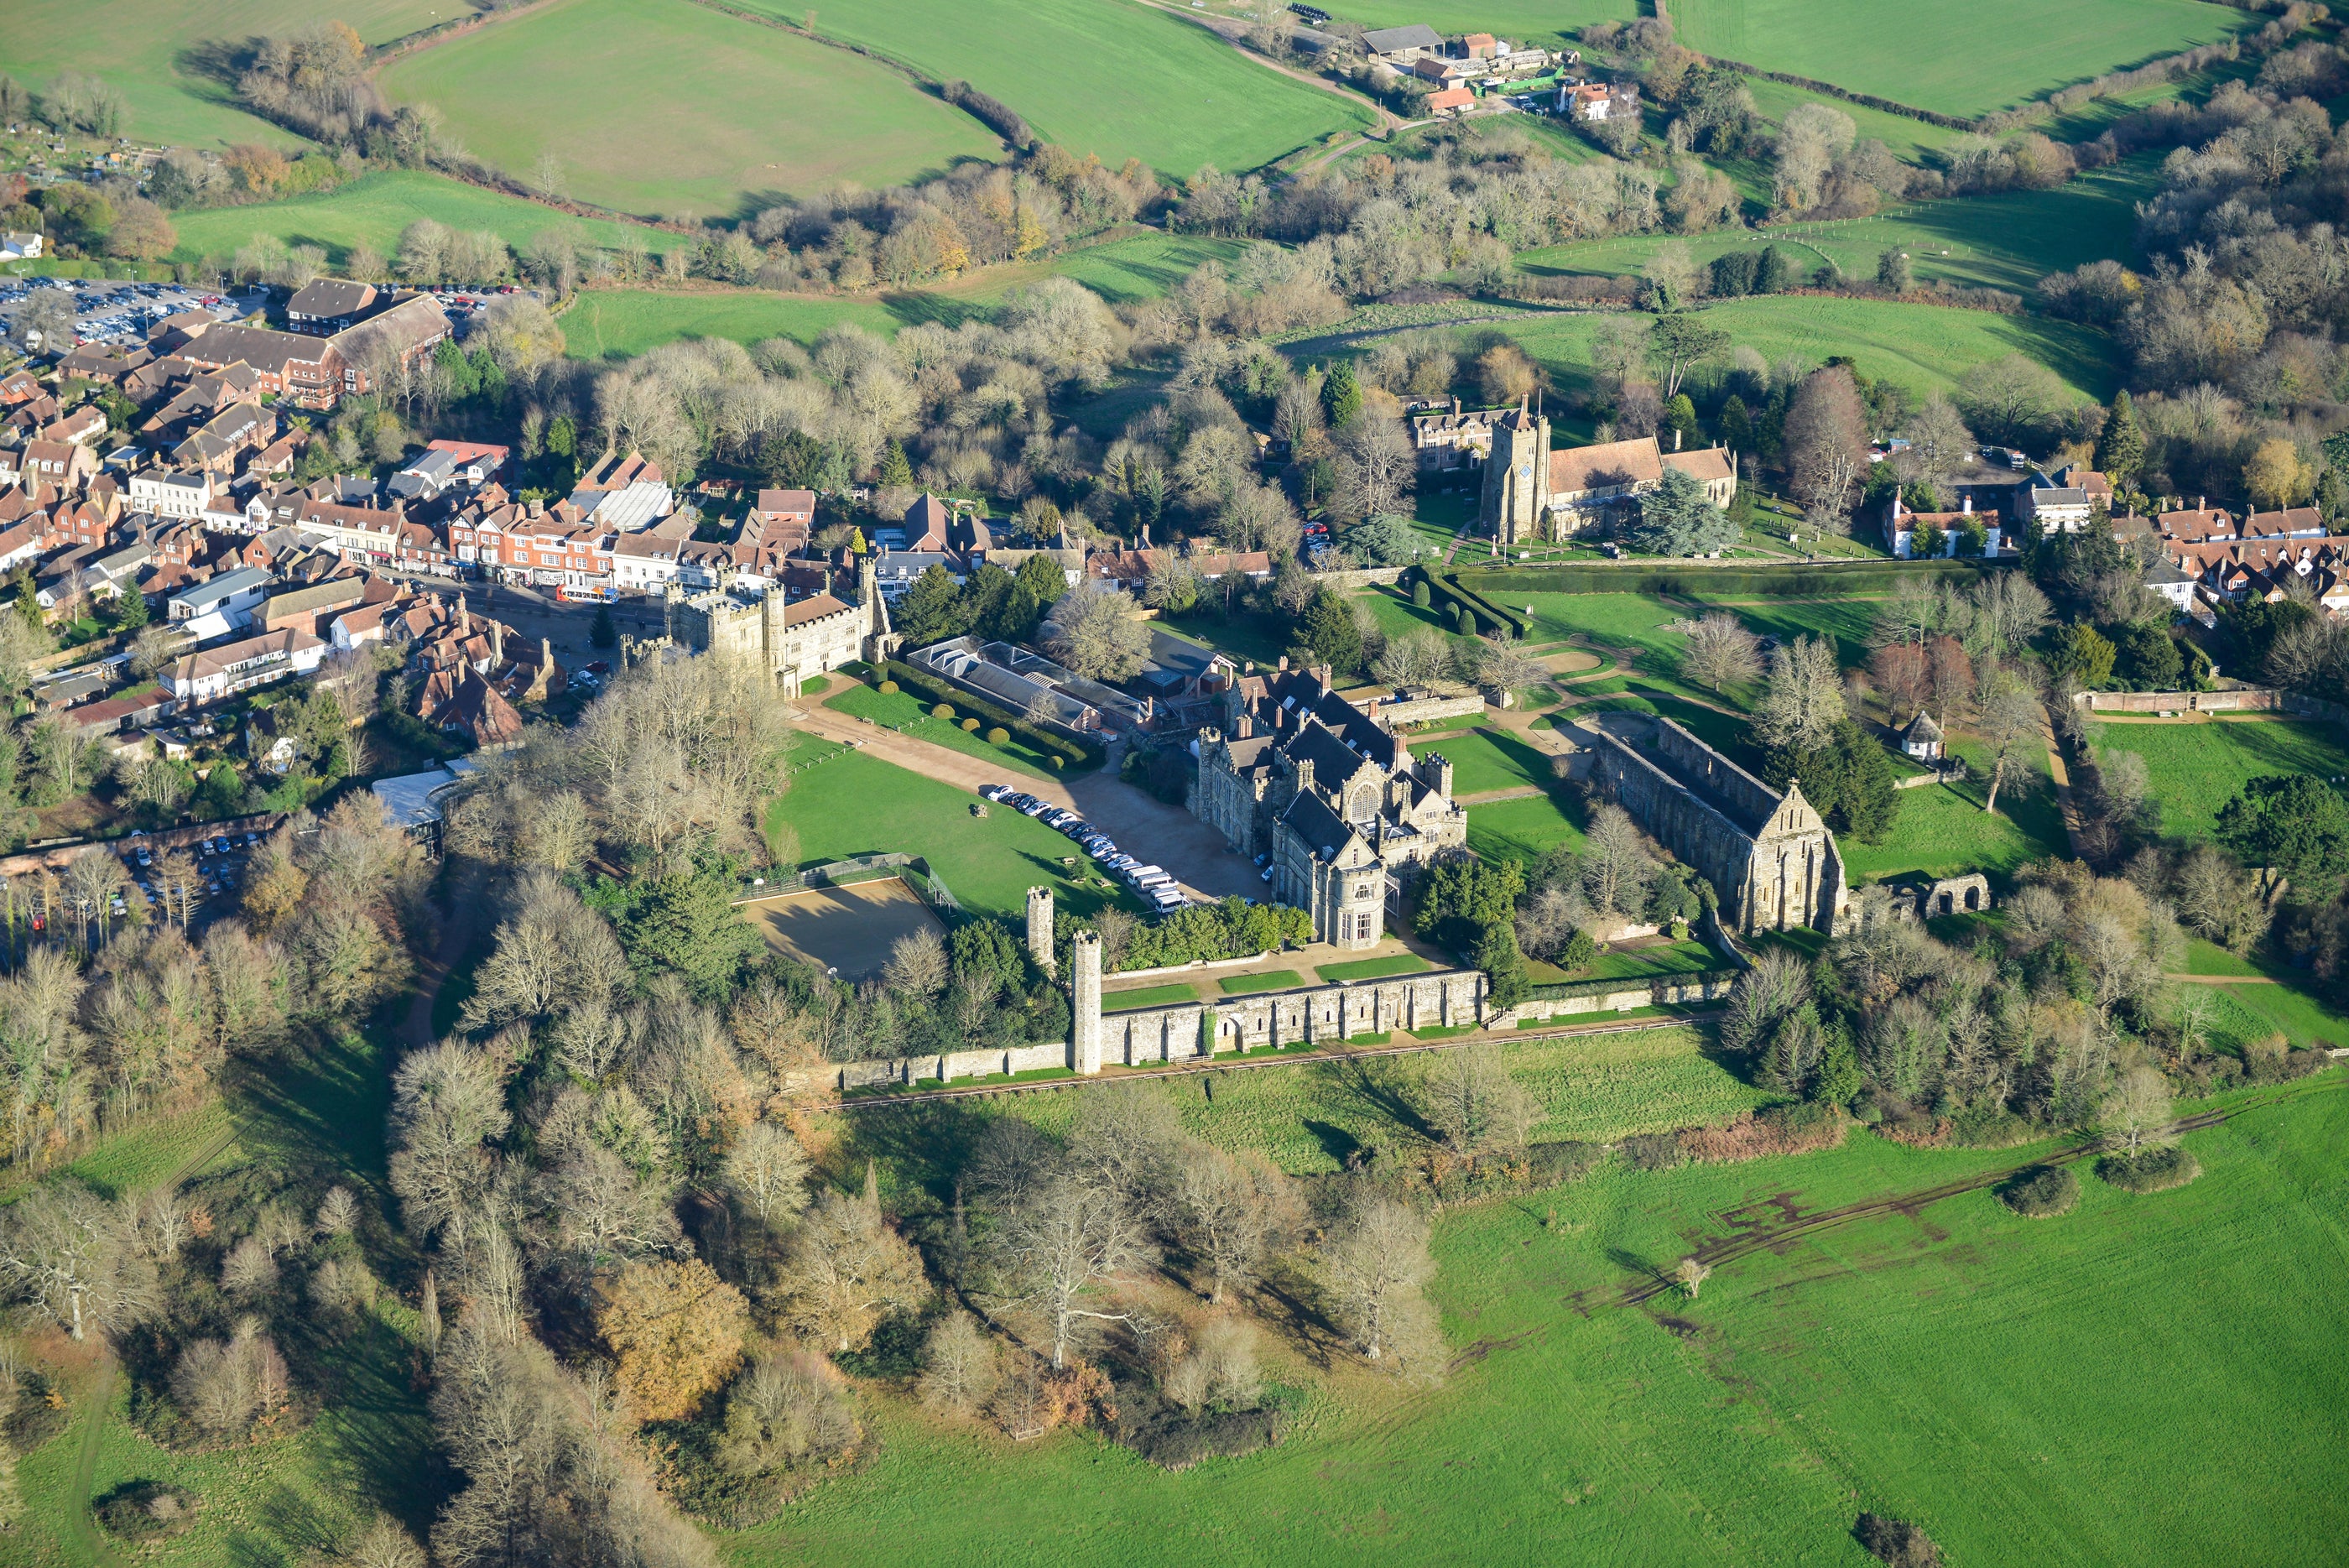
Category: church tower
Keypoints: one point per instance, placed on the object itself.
(1516, 477)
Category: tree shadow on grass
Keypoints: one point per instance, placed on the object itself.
(923, 1146)
(1378, 1087)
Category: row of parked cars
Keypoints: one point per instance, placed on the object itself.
(220, 861)
(1152, 882)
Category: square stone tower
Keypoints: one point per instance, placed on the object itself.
(1040, 928)
(1516, 477)
(1085, 1004)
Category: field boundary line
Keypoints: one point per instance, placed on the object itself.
(1240, 1064)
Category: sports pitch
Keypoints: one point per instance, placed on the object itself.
(850, 929)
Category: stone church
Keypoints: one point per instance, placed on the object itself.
(1531, 493)
(1330, 795)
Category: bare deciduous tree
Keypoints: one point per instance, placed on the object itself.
(959, 1368)
(1228, 1213)
(1802, 698)
(846, 1268)
(1092, 631)
(1376, 1266)
(1064, 1247)
(72, 1253)
(1721, 652)
(917, 964)
(1475, 1105)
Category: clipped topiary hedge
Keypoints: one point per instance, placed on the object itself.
(998, 736)
(1060, 749)
(2041, 1192)
(887, 687)
(970, 726)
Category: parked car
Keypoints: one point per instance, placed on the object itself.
(993, 792)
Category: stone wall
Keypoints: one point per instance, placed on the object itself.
(1704, 988)
(1451, 999)
(1748, 800)
(1424, 710)
(2243, 699)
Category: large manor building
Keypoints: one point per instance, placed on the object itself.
(794, 640)
(1531, 493)
(1332, 797)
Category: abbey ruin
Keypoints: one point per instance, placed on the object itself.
(1770, 857)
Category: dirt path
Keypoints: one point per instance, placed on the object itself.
(2062, 777)
(1490, 797)
(1752, 1229)
(2226, 978)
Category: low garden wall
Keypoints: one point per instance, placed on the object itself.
(2243, 699)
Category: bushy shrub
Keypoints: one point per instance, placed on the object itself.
(943, 710)
(1897, 1542)
(2149, 1170)
(1553, 1164)
(145, 1510)
(1057, 762)
(970, 726)
(887, 687)
(998, 736)
(1652, 1151)
(2041, 1192)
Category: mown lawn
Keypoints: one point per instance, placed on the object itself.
(2147, 1381)
(2248, 1011)
(1374, 969)
(909, 715)
(2198, 768)
(373, 209)
(857, 805)
(661, 107)
(1487, 760)
(1942, 830)
(1523, 829)
(1102, 78)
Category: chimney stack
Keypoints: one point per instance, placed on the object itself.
(1676, 434)
(1244, 726)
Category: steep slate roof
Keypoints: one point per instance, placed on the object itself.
(1315, 822)
(326, 297)
(1417, 35)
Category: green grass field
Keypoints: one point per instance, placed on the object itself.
(2148, 1381)
(141, 46)
(907, 714)
(2008, 241)
(372, 211)
(1489, 759)
(1923, 347)
(1941, 830)
(661, 108)
(622, 322)
(1176, 994)
(858, 804)
(1522, 829)
(1105, 78)
(2248, 1011)
(1252, 984)
(2198, 768)
(1957, 60)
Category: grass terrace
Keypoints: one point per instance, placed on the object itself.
(1176, 994)
(1374, 969)
(1523, 829)
(1255, 984)
(909, 715)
